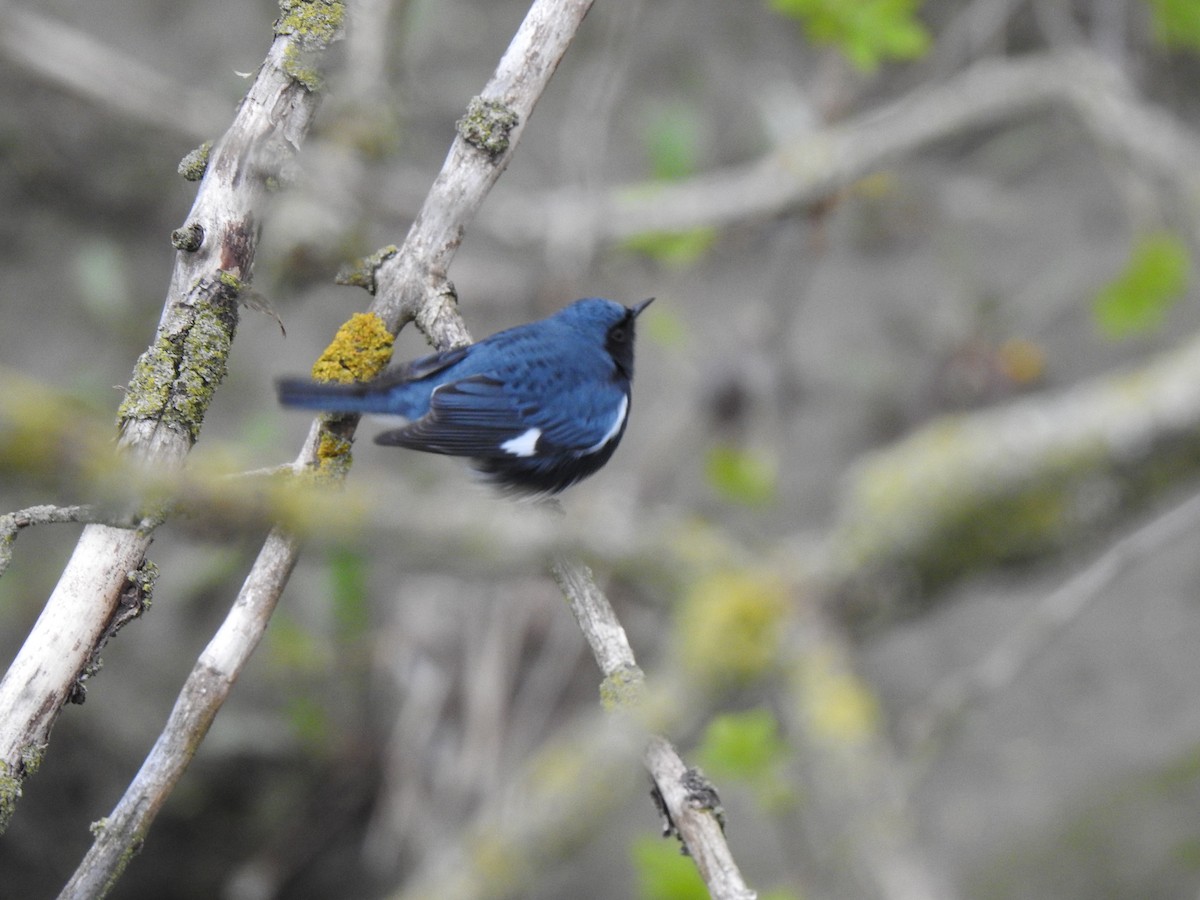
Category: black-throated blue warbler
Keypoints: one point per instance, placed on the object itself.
(536, 408)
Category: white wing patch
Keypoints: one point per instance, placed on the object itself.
(523, 444)
(622, 412)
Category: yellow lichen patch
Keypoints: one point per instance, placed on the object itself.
(333, 454)
(835, 703)
(623, 689)
(358, 352)
(312, 24)
(497, 862)
(730, 624)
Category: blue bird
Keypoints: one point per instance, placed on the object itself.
(536, 408)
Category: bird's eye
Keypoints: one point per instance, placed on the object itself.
(618, 334)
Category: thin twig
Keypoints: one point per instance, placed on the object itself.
(1037, 630)
(694, 814)
(11, 524)
(122, 832)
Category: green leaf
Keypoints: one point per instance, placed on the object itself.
(1176, 23)
(294, 650)
(663, 873)
(867, 32)
(348, 582)
(1153, 280)
(309, 722)
(742, 745)
(740, 476)
(677, 248)
(672, 140)
(663, 326)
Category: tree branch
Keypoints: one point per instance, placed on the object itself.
(822, 162)
(1009, 481)
(1034, 632)
(169, 393)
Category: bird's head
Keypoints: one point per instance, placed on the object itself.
(609, 322)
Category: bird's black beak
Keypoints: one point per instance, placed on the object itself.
(637, 310)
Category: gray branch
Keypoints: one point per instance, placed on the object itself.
(168, 395)
(820, 163)
(166, 401)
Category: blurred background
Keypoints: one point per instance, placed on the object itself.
(933, 386)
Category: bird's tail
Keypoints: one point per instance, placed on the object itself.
(360, 397)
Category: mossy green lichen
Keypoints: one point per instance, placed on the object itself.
(193, 166)
(189, 238)
(361, 272)
(175, 378)
(623, 689)
(358, 352)
(12, 778)
(231, 281)
(312, 24)
(488, 125)
(333, 455)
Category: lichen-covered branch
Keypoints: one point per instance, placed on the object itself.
(1011, 481)
(169, 393)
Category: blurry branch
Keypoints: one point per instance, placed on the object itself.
(692, 812)
(167, 398)
(12, 523)
(108, 77)
(1038, 629)
(820, 163)
(846, 770)
(1012, 481)
(49, 442)
(696, 823)
(554, 804)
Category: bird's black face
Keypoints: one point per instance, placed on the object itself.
(619, 340)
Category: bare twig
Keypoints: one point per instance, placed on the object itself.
(599, 624)
(693, 813)
(12, 523)
(622, 689)
(121, 834)
(1039, 628)
(822, 162)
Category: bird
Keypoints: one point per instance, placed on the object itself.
(536, 408)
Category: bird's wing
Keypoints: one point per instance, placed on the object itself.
(585, 416)
(485, 416)
(470, 417)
